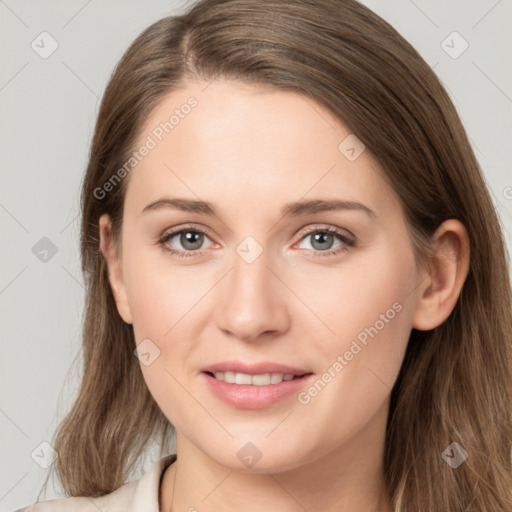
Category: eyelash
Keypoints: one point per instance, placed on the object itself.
(348, 241)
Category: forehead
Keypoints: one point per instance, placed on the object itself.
(255, 146)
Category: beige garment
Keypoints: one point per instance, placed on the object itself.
(137, 496)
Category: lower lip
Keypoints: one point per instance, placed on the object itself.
(247, 396)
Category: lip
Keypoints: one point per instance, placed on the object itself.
(254, 368)
(247, 396)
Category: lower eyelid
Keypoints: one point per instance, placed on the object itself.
(342, 237)
(166, 237)
(345, 242)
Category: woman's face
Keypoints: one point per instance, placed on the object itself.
(272, 281)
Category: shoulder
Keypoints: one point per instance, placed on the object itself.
(120, 499)
(138, 496)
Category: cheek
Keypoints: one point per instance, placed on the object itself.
(368, 310)
(164, 305)
(158, 297)
(166, 308)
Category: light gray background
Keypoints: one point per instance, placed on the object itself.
(49, 108)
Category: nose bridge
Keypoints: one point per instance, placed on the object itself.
(252, 304)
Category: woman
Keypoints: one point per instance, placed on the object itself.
(371, 374)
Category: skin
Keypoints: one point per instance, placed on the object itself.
(249, 150)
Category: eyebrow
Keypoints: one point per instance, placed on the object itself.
(294, 209)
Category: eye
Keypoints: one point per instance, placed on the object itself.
(322, 240)
(190, 238)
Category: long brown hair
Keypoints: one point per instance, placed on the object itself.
(455, 384)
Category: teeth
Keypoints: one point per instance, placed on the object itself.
(242, 378)
(255, 380)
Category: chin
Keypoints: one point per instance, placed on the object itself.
(258, 458)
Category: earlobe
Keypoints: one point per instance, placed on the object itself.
(114, 268)
(442, 282)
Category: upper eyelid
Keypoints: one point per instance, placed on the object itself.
(308, 230)
(179, 229)
(302, 233)
(325, 227)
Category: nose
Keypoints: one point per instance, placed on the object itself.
(253, 301)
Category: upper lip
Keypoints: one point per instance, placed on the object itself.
(254, 368)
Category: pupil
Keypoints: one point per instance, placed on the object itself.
(187, 239)
(321, 237)
(191, 238)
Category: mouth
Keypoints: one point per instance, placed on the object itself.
(262, 379)
(254, 385)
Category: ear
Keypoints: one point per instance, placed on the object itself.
(115, 276)
(443, 279)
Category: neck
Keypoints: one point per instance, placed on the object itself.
(348, 478)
